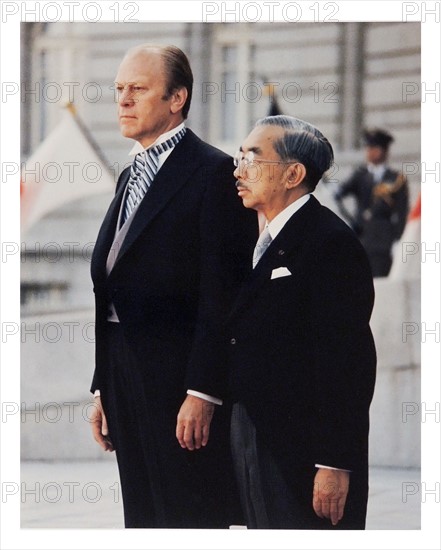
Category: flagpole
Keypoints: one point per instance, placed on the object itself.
(86, 132)
(68, 141)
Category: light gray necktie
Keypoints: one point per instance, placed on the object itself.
(262, 244)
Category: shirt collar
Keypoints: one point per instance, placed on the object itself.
(376, 168)
(137, 147)
(276, 225)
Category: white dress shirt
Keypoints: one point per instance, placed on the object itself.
(138, 148)
(276, 225)
(377, 171)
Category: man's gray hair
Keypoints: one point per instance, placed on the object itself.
(304, 143)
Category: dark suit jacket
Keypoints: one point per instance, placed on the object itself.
(302, 354)
(173, 282)
(180, 264)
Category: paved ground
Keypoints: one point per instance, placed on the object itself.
(86, 495)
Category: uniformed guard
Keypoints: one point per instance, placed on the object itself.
(382, 198)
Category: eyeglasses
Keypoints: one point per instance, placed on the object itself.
(241, 159)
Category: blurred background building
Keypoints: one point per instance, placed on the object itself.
(341, 77)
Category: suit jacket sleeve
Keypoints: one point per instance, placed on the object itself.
(350, 186)
(344, 352)
(228, 233)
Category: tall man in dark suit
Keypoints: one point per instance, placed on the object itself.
(301, 353)
(382, 198)
(174, 245)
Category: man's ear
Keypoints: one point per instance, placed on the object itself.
(295, 175)
(178, 99)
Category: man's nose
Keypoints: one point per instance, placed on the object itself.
(125, 97)
(240, 171)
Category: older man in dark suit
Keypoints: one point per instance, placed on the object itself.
(174, 245)
(302, 354)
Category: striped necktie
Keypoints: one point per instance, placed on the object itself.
(262, 244)
(143, 172)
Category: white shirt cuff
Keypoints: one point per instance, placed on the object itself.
(97, 393)
(209, 398)
(331, 468)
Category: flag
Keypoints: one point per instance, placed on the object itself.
(274, 108)
(66, 166)
(406, 262)
(269, 90)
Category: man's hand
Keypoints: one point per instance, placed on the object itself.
(330, 492)
(99, 426)
(193, 425)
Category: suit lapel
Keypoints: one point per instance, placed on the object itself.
(290, 239)
(174, 173)
(107, 231)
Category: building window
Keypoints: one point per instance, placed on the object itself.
(229, 95)
(231, 72)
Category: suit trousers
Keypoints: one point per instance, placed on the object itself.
(162, 485)
(268, 500)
